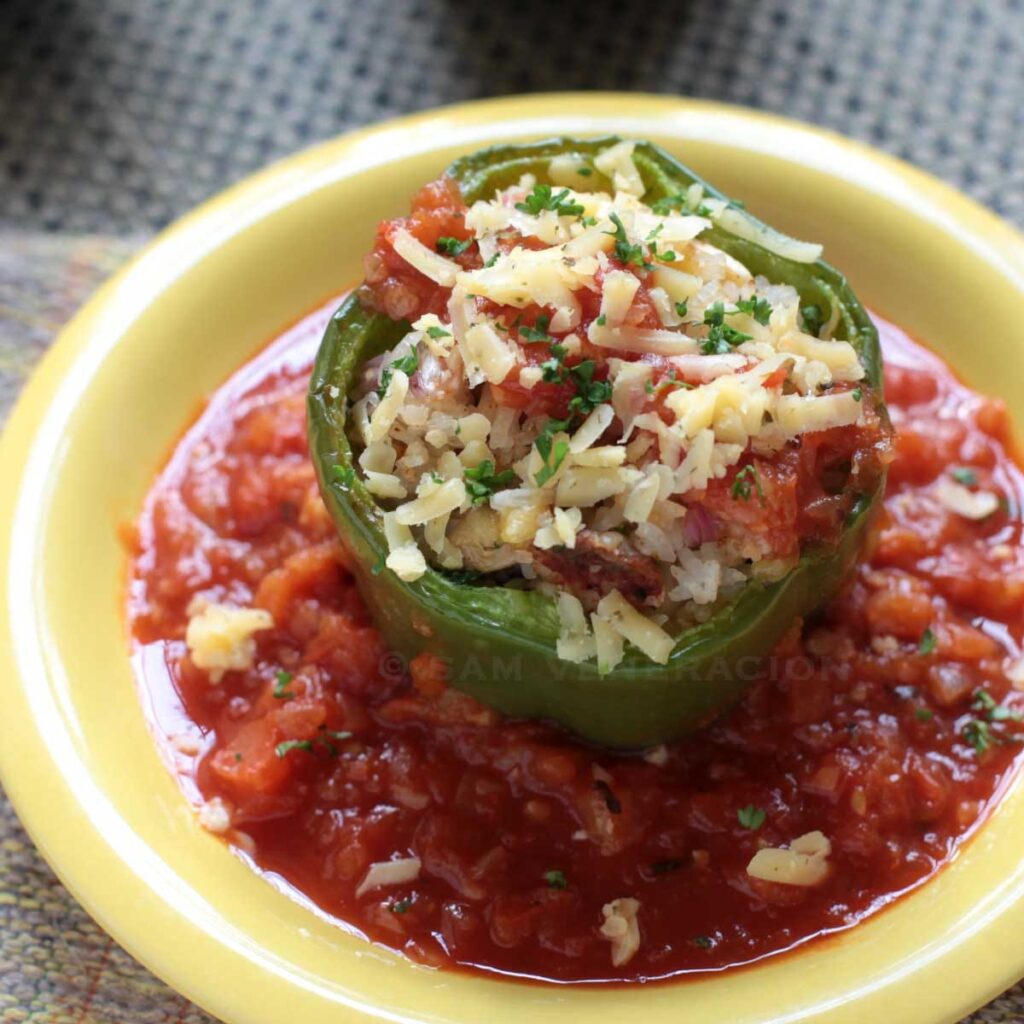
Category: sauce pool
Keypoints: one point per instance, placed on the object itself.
(889, 724)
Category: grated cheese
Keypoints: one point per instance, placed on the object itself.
(215, 815)
(221, 638)
(964, 502)
(616, 162)
(803, 863)
(435, 500)
(639, 630)
(384, 415)
(429, 263)
(622, 929)
(389, 872)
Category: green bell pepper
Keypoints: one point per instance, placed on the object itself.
(499, 643)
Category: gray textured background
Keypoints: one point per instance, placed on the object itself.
(117, 115)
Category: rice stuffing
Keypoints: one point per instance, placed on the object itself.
(599, 374)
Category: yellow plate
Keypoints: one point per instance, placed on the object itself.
(120, 383)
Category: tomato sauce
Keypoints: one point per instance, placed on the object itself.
(889, 723)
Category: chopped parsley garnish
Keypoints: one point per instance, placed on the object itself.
(721, 337)
(759, 309)
(964, 475)
(552, 370)
(588, 222)
(556, 880)
(978, 735)
(238, 757)
(585, 171)
(858, 394)
(401, 906)
(751, 817)
(625, 251)
(927, 644)
(282, 749)
(436, 332)
(813, 319)
(602, 320)
(539, 331)
(667, 382)
(407, 364)
(482, 481)
(978, 732)
(543, 197)
(453, 246)
(378, 566)
(746, 479)
(681, 307)
(336, 735)
(552, 460)
(994, 711)
(553, 453)
(590, 393)
(924, 714)
(343, 474)
(325, 736)
(281, 691)
(492, 260)
(703, 942)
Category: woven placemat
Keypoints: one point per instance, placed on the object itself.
(116, 115)
(56, 965)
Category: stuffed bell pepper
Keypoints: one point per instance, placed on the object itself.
(596, 437)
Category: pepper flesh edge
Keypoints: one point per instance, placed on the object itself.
(499, 643)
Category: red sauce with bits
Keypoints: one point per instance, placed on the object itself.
(868, 726)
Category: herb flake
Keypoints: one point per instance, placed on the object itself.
(927, 644)
(281, 691)
(745, 481)
(626, 252)
(751, 817)
(285, 748)
(482, 481)
(407, 364)
(453, 246)
(537, 333)
(543, 197)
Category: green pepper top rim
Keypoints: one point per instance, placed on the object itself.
(528, 620)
